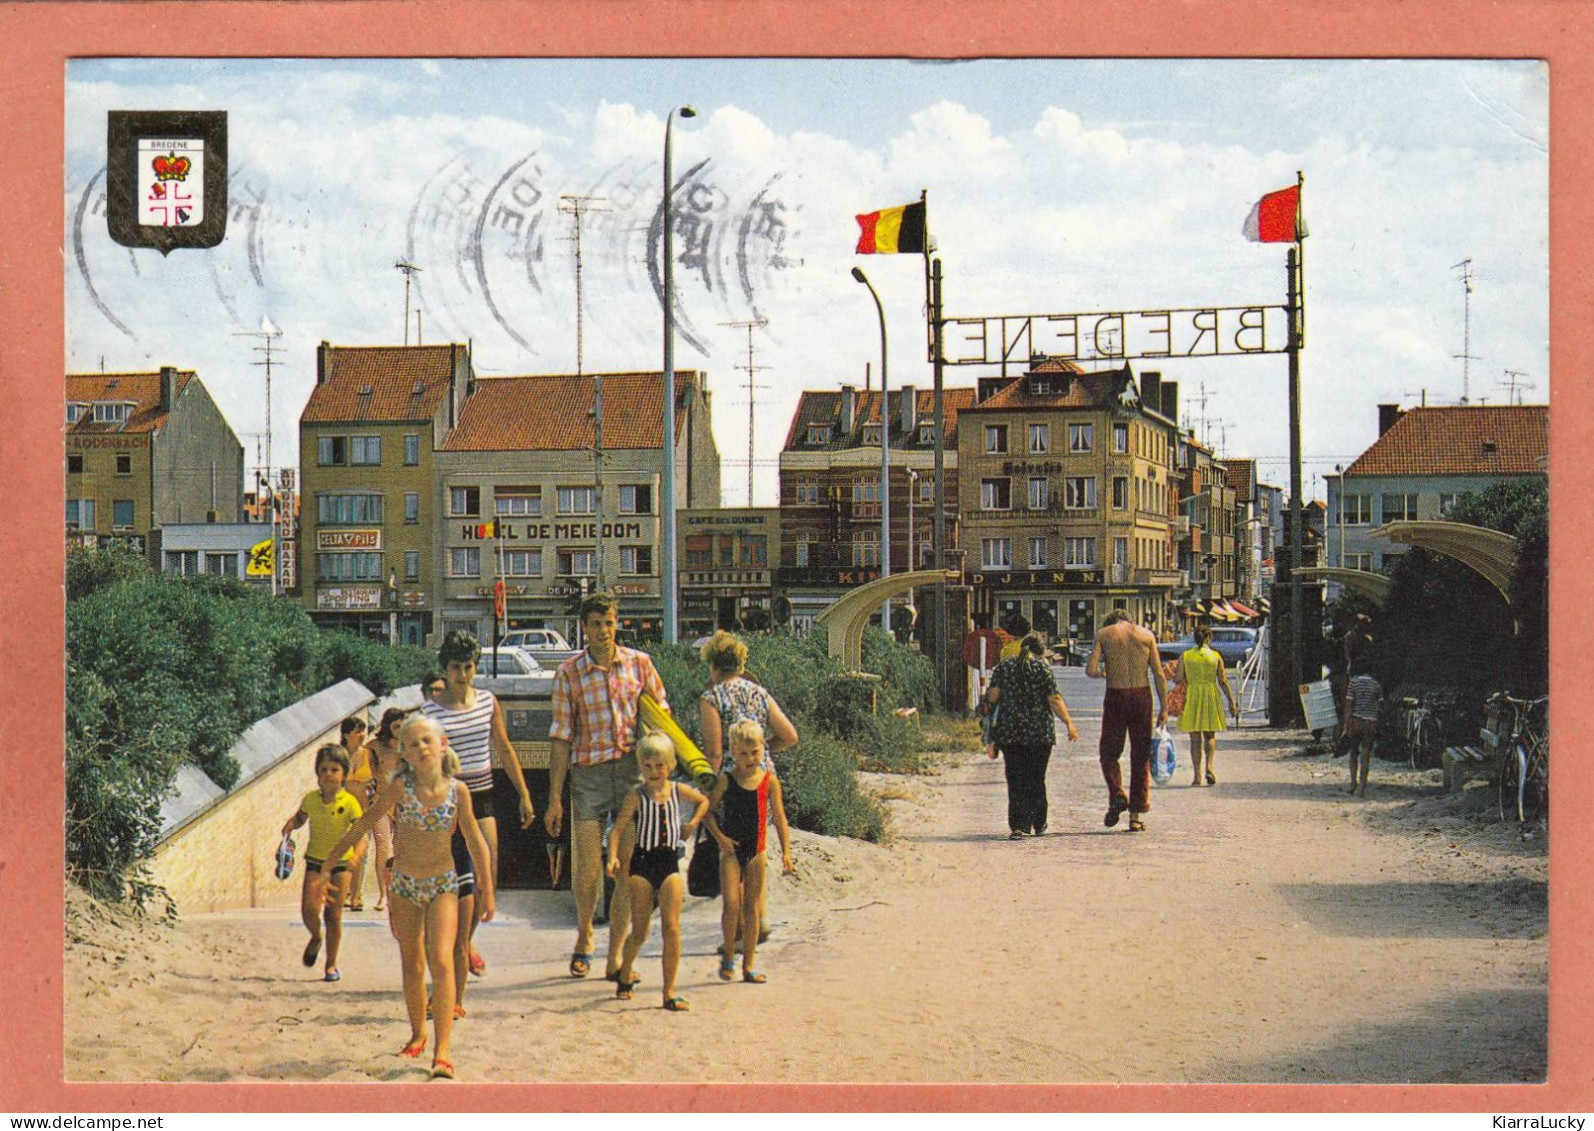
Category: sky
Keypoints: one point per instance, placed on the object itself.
(1054, 186)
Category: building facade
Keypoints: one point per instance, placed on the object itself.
(1423, 460)
(727, 562)
(830, 490)
(1068, 478)
(143, 450)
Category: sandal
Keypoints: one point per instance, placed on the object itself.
(580, 964)
(614, 976)
(414, 1049)
(459, 1011)
(1136, 825)
(312, 951)
(1115, 809)
(622, 990)
(332, 976)
(727, 968)
(1212, 779)
(478, 964)
(753, 976)
(677, 1004)
(443, 1069)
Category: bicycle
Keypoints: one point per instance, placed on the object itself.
(1523, 787)
(1424, 736)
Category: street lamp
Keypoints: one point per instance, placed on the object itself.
(885, 450)
(667, 577)
(1339, 490)
(913, 487)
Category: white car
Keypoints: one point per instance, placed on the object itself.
(536, 640)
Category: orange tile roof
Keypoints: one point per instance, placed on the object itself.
(1085, 390)
(391, 373)
(1453, 441)
(553, 412)
(145, 388)
(824, 407)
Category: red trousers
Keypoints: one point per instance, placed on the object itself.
(1127, 710)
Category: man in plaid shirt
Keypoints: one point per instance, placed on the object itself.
(593, 739)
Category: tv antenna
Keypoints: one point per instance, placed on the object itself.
(574, 206)
(409, 270)
(267, 335)
(1465, 355)
(750, 326)
(1514, 384)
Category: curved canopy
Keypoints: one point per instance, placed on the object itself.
(1489, 552)
(844, 621)
(1374, 586)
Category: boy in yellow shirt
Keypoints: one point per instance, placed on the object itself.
(330, 810)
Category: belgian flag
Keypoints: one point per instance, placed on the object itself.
(892, 230)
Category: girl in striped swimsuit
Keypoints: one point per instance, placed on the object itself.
(655, 806)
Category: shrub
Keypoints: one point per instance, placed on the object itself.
(819, 780)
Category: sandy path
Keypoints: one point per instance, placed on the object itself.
(1269, 929)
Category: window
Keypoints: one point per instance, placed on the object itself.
(927, 434)
(996, 494)
(1079, 492)
(1357, 510)
(412, 565)
(1399, 508)
(699, 551)
(819, 433)
(182, 563)
(412, 507)
(112, 412)
(866, 548)
(465, 561)
(352, 507)
(727, 551)
(871, 434)
(332, 451)
(996, 553)
(222, 565)
(926, 551)
(464, 501)
(576, 500)
(80, 514)
(517, 502)
(578, 563)
(75, 411)
(636, 560)
(1079, 551)
(807, 494)
(803, 538)
(866, 489)
(926, 488)
(1037, 553)
(1359, 561)
(1040, 493)
(74, 465)
(754, 551)
(1039, 439)
(1120, 492)
(1447, 501)
(124, 463)
(996, 438)
(349, 567)
(1080, 437)
(365, 450)
(412, 449)
(122, 514)
(1120, 438)
(522, 563)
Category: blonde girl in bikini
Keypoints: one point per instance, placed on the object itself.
(427, 802)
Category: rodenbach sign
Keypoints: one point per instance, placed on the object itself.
(1214, 331)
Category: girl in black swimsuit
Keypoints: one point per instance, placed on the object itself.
(653, 874)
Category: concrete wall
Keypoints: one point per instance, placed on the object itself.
(220, 848)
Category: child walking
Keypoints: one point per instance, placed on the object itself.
(653, 874)
(331, 811)
(744, 799)
(1361, 712)
(427, 803)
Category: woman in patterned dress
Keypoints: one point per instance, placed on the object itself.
(1026, 692)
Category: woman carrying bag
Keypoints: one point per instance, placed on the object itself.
(1201, 674)
(1026, 692)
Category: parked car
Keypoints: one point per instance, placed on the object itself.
(518, 672)
(535, 640)
(1235, 645)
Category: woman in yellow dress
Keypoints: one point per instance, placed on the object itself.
(1201, 672)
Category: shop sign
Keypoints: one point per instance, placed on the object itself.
(348, 539)
(632, 590)
(349, 598)
(509, 590)
(1032, 467)
(1035, 579)
(412, 598)
(77, 442)
(801, 576)
(726, 577)
(724, 520)
(499, 530)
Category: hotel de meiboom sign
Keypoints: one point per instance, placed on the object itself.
(1209, 331)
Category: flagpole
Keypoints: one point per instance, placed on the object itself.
(1297, 292)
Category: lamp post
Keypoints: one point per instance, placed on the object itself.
(667, 578)
(913, 487)
(885, 450)
(1339, 519)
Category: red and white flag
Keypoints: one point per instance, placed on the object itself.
(1276, 218)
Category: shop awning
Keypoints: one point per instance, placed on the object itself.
(1243, 610)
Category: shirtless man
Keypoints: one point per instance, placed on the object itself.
(1123, 655)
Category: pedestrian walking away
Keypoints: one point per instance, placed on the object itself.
(1361, 712)
(1028, 696)
(1124, 655)
(596, 695)
(1200, 673)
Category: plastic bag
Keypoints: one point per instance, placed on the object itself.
(285, 857)
(1164, 755)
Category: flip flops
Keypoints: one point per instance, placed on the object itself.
(580, 964)
(478, 964)
(332, 976)
(1136, 825)
(414, 1049)
(614, 976)
(727, 968)
(677, 1004)
(442, 1069)
(753, 976)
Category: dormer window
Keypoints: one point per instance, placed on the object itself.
(871, 433)
(112, 412)
(927, 433)
(1040, 387)
(75, 411)
(819, 433)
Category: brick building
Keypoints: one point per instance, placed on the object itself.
(143, 450)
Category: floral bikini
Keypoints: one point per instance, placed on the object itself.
(411, 814)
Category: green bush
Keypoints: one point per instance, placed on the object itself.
(819, 781)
